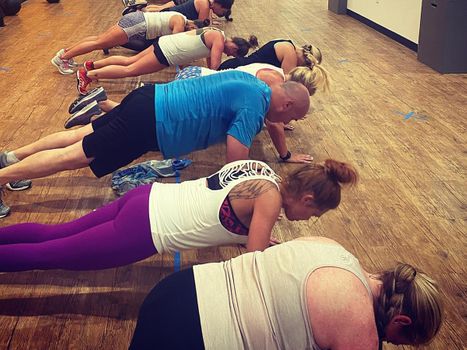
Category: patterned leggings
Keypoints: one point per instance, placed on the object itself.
(188, 72)
(114, 235)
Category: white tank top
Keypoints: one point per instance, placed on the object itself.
(183, 48)
(258, 300)
(186, 215)
(252, 69)
(158, 23)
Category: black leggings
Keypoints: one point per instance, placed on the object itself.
(169, 316)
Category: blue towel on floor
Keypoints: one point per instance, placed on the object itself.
(146, 173)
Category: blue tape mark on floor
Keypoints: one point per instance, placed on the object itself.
(408, 115)
(307, 30)
(413, 115)
(177, 261)
(4, 69)
(344, 60)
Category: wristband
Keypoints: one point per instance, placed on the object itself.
(286, 157)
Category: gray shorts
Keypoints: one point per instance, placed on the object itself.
(134, 25)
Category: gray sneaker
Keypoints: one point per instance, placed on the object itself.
(63, 66)
(98, 94)
(4, 209)
(71, 61)
(83, 117)
(19, 185)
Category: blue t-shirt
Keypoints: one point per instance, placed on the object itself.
(195, 113)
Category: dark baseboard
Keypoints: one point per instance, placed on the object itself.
(389, 33)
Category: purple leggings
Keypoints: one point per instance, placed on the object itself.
(114, 235)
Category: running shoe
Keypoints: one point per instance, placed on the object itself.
(63, 66)
(82, 81)
(4, 209)
(98, 94)
(83, 117)
(71, 61)
(88, 65)
(133, 8)
(19, 185)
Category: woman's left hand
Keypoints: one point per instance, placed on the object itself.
(300, 158)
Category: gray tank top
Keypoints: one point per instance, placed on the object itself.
(258, 301)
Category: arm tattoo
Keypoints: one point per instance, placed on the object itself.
(251, 189)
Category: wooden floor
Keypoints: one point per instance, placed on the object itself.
(410, 204)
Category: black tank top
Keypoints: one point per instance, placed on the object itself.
(187, 9)
(265, 54)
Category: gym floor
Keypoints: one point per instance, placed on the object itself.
(398, 121)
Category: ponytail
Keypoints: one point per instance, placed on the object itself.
(324, 181)
(313, 54)
(244, 46)
(314, 78)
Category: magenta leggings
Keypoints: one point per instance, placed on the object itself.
(114, 235)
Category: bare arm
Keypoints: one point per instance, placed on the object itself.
(286, 54)
(277, 134)
(178, 24)
(266, 209)
(236, 150)
(203, 9)
(217, 48)
(342, 317)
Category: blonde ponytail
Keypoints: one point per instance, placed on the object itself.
(314, 78)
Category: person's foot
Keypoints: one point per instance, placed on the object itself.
(19, 185)
(83, 117)
(98, 94)
(82, 81)
(63, 66)
(4, 209)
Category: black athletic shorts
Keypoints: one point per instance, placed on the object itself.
(124, 134)
(159, 54)
(169, 316)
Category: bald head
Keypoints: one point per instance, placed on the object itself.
(289, 101)
(300, 96)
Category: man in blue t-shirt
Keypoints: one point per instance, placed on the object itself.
(175, 118)
(233, 104)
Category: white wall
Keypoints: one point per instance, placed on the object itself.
(400, 16)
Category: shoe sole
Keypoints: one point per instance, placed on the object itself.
(82, 119)
(58, 67)
(87, 99)
(5, 215)
(8, 186)
(78, 100)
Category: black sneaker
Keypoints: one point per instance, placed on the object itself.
(98, 94)
(19, 185)
(4, 209)
(133, 8)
